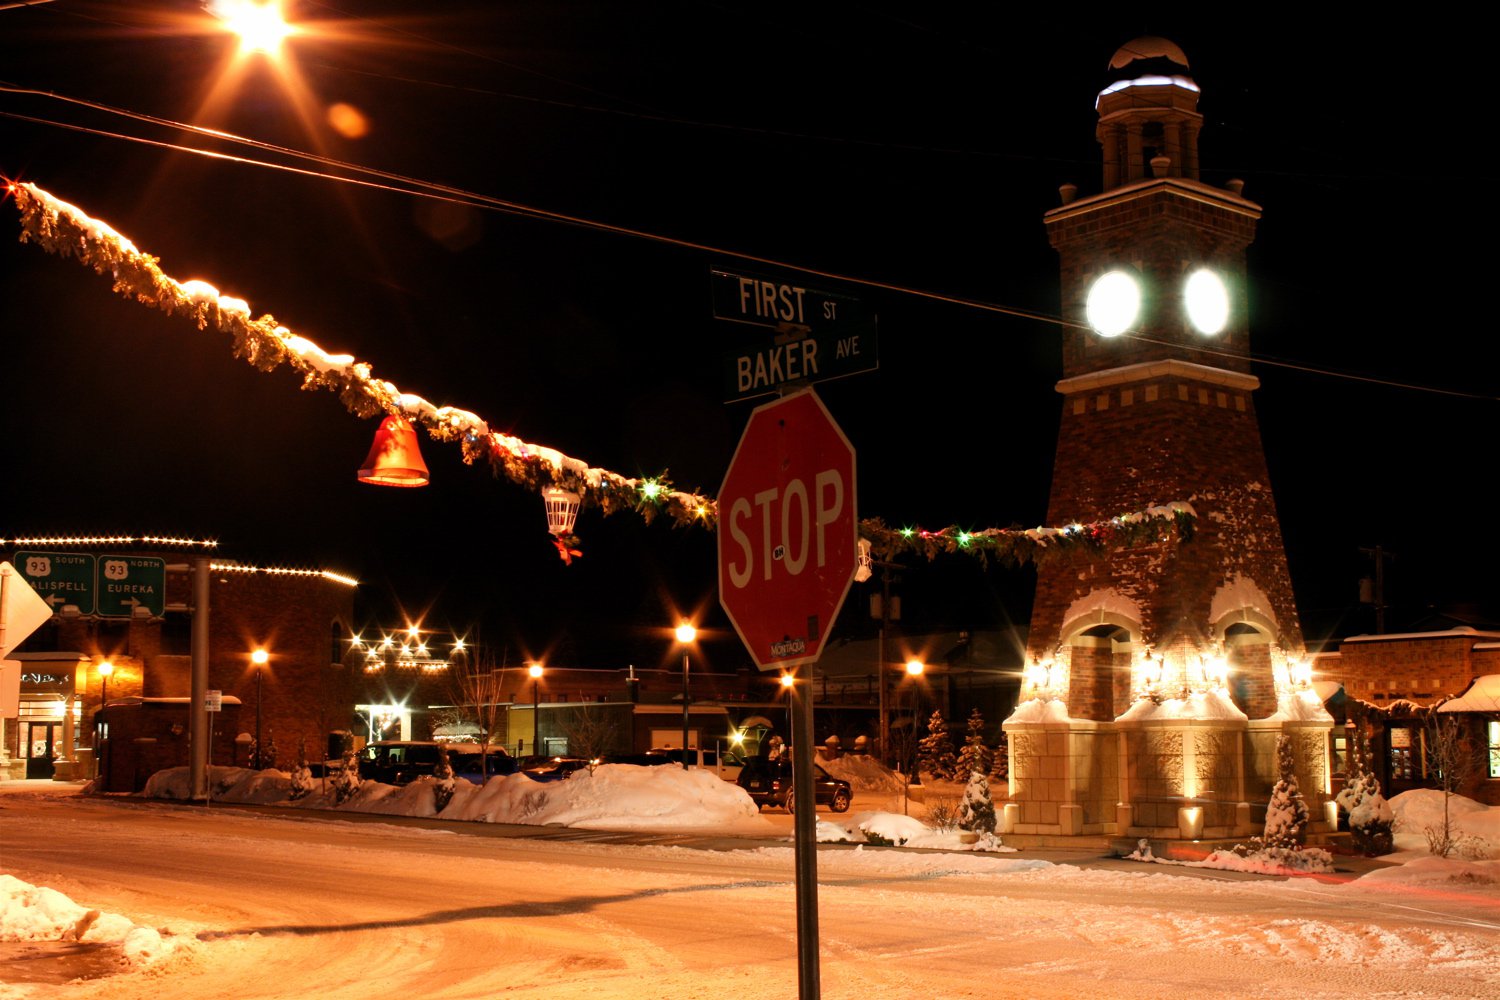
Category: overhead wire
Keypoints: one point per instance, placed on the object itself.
(406, 184)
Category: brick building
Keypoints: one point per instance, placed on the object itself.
(1159, 678)
(1396, 686)
(302, 619)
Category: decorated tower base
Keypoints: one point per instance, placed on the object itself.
(1159, 678)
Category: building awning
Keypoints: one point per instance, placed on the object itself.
(1483, 696)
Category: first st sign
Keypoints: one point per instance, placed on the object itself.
(787, 530)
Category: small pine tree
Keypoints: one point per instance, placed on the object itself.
(443, 788)
(977, 811)
(302, 780)
(935, 751)
(974, 756)
(1286, 814)
(347, 781)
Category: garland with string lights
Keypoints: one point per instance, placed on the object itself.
(65, 230)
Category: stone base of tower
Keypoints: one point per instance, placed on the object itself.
(1160, 780)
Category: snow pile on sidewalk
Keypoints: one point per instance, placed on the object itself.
(1422, 809)
(892, 829)
(613, 797)
(36, 913)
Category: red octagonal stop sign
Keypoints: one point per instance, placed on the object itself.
(787, 530)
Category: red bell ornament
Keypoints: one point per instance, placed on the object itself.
(394, 459)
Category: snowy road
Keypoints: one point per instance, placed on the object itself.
(274, 908)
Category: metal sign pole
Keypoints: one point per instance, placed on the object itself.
(805, 801)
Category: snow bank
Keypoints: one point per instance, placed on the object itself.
(901, 831)
(1422, 808)
(614, 797)
(36, 913)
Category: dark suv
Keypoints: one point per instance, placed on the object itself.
(769, 783)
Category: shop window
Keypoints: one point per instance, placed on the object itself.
(1404, 756)
(1340, 753)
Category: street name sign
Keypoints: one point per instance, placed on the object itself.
(787, 535)
(793, 333)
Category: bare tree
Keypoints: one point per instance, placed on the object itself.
(590, 733)
(1454, 758)
(478, 689)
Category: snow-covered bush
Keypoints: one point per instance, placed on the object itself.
(302, 780)
(977, 811)
(346, 782)
(443, 787)
(1370, 815)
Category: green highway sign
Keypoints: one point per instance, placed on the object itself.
(60, 578)
(130, 582)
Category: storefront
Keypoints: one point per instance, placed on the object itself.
(48, 726)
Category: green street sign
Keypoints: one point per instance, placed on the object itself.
(60, 578)
(130, 582)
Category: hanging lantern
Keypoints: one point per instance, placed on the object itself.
(562, 510)
(562, 513)
(394, 459)
(863, 561)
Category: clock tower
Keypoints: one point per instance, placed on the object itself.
(1157, 407)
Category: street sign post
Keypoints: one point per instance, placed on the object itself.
(787, 550)
(787, 530)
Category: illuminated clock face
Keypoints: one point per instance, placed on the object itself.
(1207, 301)
(1113, 304)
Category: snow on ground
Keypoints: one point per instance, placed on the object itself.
(613, 797)
(37, 913)
(893, 829)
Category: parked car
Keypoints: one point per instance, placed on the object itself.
(726, 765)
(400, 762)
(465, 759)
(552, 768)
(769, 783)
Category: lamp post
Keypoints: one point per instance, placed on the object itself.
(259, 658)
(686, 633)
(914, 669)
(105, 670)
(536, 672)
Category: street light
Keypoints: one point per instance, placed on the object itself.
(686, 633)
(536, 672)
(259, 658)
(914, 669)
(105, 670)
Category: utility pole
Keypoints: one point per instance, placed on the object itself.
(883, 729)
(1373, 591)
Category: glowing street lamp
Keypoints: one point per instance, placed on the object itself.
(106, 669)
(686, 635)
(914, 669)
(261, 26)
(260, 657)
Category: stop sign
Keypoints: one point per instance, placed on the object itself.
(787, 530)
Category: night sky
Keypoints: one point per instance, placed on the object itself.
(911, 149)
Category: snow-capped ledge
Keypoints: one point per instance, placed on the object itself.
(1040, 710)
(1206, 706)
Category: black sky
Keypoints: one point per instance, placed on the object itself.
(918, 149)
